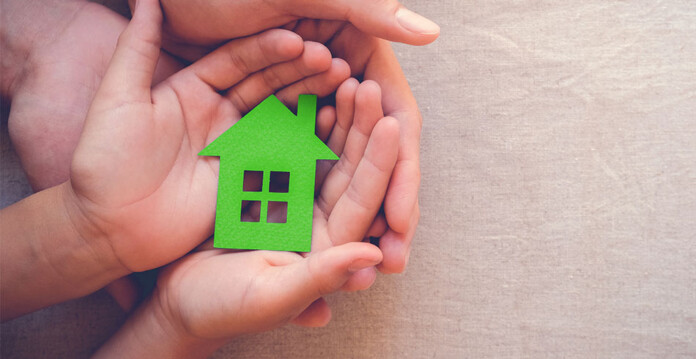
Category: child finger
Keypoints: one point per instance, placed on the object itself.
(315, 58)
(321, 84)
(378, 227)
(396, 247)
(360, 280)
(318, 314)
(124, 291)
(326, 119)
(129, 75)
(357, 206)
(345, 107)
(368, 110)
(237, 59)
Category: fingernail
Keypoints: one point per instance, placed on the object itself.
(359, 264)
(416, 23)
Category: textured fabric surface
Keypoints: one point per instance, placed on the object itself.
(558, 198)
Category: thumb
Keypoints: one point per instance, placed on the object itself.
(322, 273)
(387, 19)
(129, 75)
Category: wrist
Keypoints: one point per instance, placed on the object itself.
(152, 332)
(88, 237)
(45, 257)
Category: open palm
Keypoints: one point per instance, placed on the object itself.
(372, 58)
(216, 293)
(136, 175)
(354, 30)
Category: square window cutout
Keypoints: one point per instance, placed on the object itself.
(280, 182)
(251, 211)
(253, 181)
(277, 212)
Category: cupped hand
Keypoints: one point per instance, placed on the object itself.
(137, 185)
(373, 59)
(354, 30)
(216, 293)
(196, 23)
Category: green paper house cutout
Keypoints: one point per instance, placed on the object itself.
(270, 141)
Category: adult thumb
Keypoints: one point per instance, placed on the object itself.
(387, 19)
(129, 75)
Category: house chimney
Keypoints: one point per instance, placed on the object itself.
(307, 111)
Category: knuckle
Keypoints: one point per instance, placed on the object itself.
(238, 61)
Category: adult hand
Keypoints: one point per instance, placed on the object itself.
(205, 23)
(137, 185)
(351, 29)
(56, 53)
(373, 59)
(212, 295)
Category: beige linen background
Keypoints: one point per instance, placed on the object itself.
(558, 198)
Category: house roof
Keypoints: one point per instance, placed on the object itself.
(271, 130)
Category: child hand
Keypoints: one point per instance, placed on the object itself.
(138, 187)
(353, 30)
(345, 208)
(212, 295)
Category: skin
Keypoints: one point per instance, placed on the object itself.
(137, 155)
(55, 54)
(49, 60)
(194, 310)
(267, 289)
(354, 30)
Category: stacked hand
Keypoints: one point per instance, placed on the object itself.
(139, 197)
(354, 30)
(214, 294)
(55, 79)
(136, 174)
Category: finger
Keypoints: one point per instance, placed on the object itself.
(205, 246)
(321, 84)
(235, 60)
(396, 247)
(251, 211)
(129, 75)
(378, 227)
(356, 208)
(318, 314)
(360, 280)
(326, 118)
(345, 109)
(368, 110)
(386, 19)
(398, 102)
(124, 292)
(401, 199)
(325, 272)
(315, 58)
